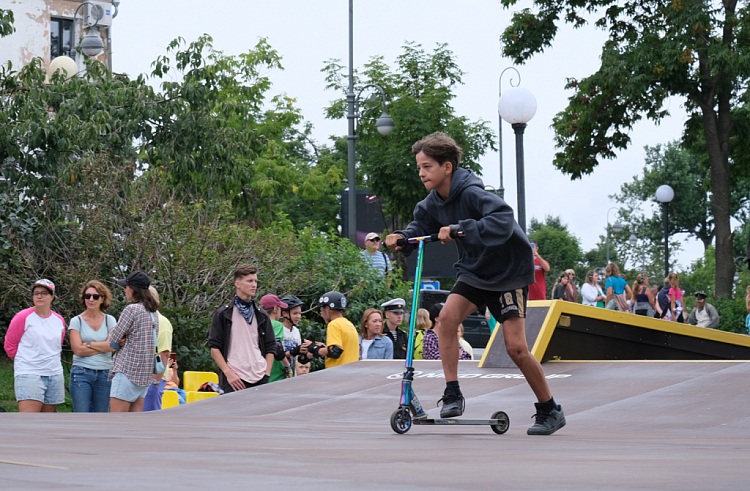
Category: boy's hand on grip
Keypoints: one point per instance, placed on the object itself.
(391, 241)
(445, 235)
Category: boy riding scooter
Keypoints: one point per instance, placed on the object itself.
(495, 267)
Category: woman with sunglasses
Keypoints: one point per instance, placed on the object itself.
(92, 356)
(34, 343)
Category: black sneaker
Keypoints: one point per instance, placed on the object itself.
(453, 405)
(547, 421)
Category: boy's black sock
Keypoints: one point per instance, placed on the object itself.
(454, 386)
(551, 404)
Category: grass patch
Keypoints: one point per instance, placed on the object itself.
(8, 393)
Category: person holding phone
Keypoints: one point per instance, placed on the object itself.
(155, 392)
(538, 290)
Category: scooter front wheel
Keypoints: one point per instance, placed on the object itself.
(401, 420)
(503, 422)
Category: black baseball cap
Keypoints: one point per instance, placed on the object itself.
(700, 296)
(136, 279)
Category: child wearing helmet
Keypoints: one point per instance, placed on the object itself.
(342, 340)
(294, 345)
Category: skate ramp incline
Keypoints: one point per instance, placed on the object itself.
(631, 425)
(559, 330)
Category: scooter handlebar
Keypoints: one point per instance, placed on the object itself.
(426, 238)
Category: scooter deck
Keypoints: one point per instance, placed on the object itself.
(453, 421)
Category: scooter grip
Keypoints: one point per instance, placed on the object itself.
(401, 242)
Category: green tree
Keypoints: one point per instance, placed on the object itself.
(6, 23)
(419, 91)
(690, 211)
(699, 51)
(218, 136)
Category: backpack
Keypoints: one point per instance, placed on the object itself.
(663, 298)
(418, 347)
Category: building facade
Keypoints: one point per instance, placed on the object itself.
(44, 29)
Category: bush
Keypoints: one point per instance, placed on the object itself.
(190, 252)
(732, 314)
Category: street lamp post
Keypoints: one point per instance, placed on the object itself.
(617, 227)
(665, 194)
(517, 106)
(384, 124)
(501, 189)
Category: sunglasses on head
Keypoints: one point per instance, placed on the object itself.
(89, 295)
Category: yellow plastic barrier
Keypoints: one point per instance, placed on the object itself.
(169, 399)
(191, 381)
(193, 396)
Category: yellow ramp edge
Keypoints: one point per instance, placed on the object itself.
(561, 307)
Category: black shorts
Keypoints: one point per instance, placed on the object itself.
(502, 305)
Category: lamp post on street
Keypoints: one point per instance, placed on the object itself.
(665, 194)
(517, 106)
(501, 189)
(617, 228)
(384, 124)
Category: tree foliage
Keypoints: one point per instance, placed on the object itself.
(419, 91)
(104, 174)
(690, 211)
(695, 50)
(6, 22)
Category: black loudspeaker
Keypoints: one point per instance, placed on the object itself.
(370, 216)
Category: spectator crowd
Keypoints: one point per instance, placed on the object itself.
(126, 364)
(662, 301)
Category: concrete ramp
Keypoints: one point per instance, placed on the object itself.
(558, 330)
(631, 425)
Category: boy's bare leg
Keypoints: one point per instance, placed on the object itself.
(514, 333)
(456, 309)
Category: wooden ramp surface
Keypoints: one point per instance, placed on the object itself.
(631, 425)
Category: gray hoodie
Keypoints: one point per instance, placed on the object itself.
(494, 253)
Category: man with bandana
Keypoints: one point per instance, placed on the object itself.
(241, 337)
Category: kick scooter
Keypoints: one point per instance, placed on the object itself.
(410, 410)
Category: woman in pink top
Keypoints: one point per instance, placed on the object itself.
(34, 343)
(675, 297)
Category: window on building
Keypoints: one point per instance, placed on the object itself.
(60, 37)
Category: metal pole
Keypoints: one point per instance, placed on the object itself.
(109, 49)
(501, 189)
(666, 239)
(607, 241)
(519, 128)
(352, 219)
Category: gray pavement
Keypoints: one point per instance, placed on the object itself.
(631, 425)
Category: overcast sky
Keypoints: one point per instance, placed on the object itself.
(307, 33)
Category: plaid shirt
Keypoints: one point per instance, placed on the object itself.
(136, 359)
(431, 351)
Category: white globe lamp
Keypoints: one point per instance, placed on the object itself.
(517, 105)
(65, 64)
(665, 193)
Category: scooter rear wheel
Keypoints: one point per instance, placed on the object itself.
(503, 422)
(401, 420)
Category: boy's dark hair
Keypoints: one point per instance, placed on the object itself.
(243, 270)
(440, 147)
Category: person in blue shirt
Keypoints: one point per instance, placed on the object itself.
(617, 289)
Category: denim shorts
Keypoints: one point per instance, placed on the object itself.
(125, 390)
(45, 389)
